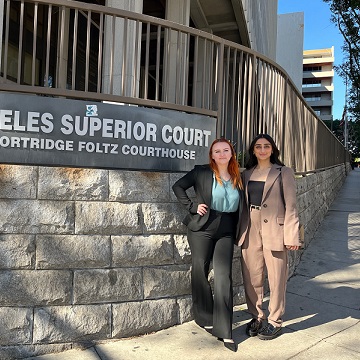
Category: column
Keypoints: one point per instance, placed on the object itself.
(205, 72)
(126, 52)
(175, 78)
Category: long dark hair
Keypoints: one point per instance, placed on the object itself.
(233, 166)
(274, 158)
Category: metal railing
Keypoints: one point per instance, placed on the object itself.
(78, 50)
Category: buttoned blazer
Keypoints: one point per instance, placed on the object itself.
(201, 179)
(279, 220)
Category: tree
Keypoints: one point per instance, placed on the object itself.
(346, 14)
(353, 138)
(337, 129)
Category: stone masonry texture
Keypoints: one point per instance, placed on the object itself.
(90, 254)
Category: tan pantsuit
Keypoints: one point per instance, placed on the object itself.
(254, 259)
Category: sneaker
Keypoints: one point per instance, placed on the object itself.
(253, 327)
(269, 332)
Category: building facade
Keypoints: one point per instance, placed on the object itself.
(290, 45)
(318, 86)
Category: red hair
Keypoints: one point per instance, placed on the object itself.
(233, 166)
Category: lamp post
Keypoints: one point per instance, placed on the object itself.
(346, 130)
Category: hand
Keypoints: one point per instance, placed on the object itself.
(292, 247)
(202, 209)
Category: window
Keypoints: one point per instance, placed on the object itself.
(312, 68)
(312, 97)
(312, 83)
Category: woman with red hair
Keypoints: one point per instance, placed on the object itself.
(211, 223)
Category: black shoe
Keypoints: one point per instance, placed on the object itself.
(231, 346)
(209, 329)
(269, 332)
(253, 327)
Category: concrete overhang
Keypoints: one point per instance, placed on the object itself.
(318, 75)
(320, 103)
(318, 89)
(320, 60)
(224, 18)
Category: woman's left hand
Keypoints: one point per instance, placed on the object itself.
(292, 247)
(202, 209)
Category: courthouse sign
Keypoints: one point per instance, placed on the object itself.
(36, 130)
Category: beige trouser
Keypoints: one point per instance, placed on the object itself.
(254, 260)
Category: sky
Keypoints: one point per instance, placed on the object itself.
(320, 33)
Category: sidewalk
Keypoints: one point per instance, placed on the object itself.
(322, 313)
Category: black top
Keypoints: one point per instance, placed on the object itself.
(255, 192)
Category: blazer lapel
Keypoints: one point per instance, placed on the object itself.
(207, 186)
(272, 176)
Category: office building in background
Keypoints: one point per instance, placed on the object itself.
(318, 85)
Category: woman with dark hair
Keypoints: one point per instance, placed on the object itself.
(269, 227)
(211, 222)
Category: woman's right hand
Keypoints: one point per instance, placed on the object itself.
(202, 209)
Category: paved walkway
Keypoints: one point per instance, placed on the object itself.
(322, 313)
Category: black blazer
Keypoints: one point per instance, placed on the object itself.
(201, 178)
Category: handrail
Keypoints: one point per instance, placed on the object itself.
(106, 54)
(305, 173)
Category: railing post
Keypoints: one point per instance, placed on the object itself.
(283, 120)
(5, 43)
(218, 89)
(252, 87)
(2, 5)
(63, 43)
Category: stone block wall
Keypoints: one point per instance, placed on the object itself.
(90, 254)
(315, 194)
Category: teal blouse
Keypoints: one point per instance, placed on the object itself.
(224, 198)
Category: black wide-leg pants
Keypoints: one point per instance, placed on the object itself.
(214, 242)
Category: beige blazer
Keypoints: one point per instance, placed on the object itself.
(280, 222)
